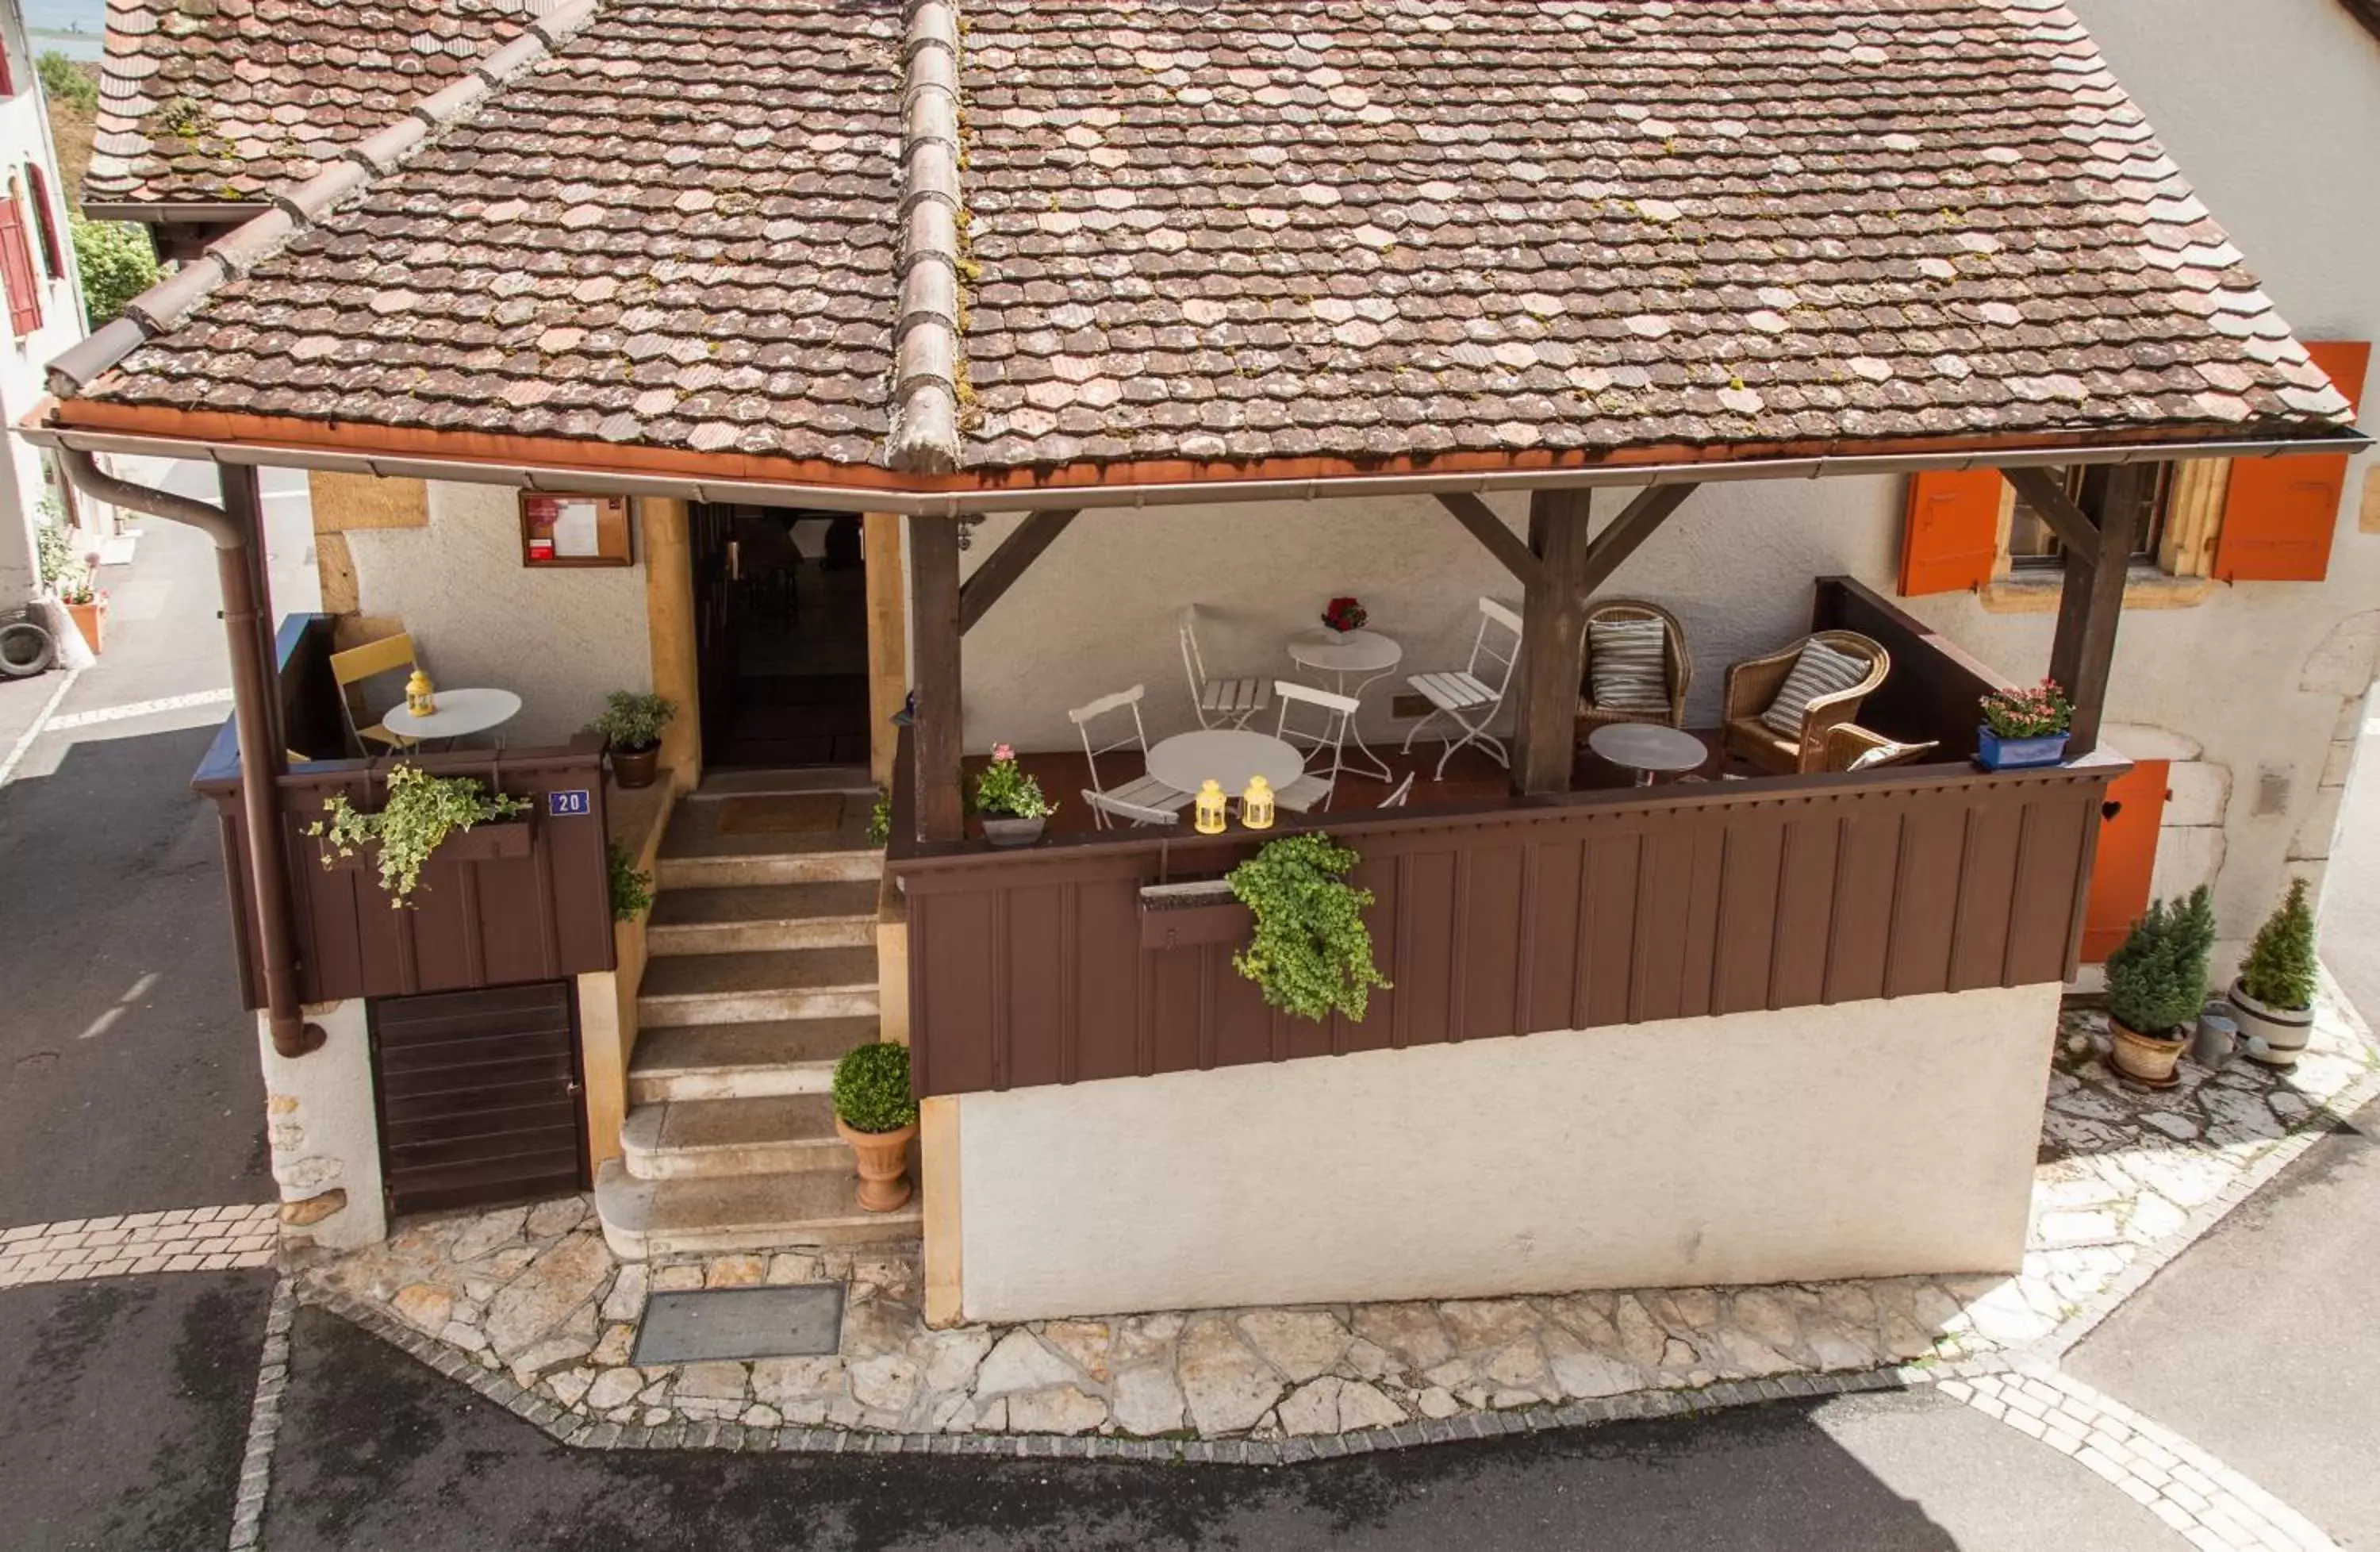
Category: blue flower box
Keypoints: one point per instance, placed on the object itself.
(1994, 753)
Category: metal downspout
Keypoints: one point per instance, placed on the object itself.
(236, 528)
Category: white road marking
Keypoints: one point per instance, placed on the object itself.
(41, 725)
(140, 709)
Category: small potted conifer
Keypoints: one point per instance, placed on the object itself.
(875, 1114)
(2274, 995)
(2156, 983)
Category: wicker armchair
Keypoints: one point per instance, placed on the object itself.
(1677, 664)
(1752, 685)
(1848, 742)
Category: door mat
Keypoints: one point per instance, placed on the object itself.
(784, 813)
(719, 1324)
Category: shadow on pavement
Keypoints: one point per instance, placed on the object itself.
(379, 1451)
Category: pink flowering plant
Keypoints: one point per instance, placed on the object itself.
(2042, 712)
(1005, 792)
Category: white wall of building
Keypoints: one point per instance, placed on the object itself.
(561, 638)
(324, 1129)
(1757, 1148)
(25, 139)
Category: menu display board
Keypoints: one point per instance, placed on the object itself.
(561, 529)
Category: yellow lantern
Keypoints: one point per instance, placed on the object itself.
(417, 694)
(1256, 803)
(1209, 820)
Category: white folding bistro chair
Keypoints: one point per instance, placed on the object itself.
(1471, 697)
(1218, 702)
(1142, 800)
(1396, 799)
(1331, 715)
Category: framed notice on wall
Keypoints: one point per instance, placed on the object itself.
(567, 530)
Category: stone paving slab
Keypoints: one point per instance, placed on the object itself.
(179, 1240)
(528, 1306)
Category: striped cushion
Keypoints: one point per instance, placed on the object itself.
(1819, 670)
(1627, 665)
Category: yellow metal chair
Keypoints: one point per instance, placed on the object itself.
(389, 654)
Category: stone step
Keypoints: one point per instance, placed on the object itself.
(686, 1139)
(742, 1061)
(752, 987)
(696, 853)
(643, 1218)
(733, 920)
(771, 783)
(768, 868)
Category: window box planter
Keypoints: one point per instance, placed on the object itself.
(1994, 753)
(492, 841)
(1188, 915)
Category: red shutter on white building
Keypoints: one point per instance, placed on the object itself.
(2280, 512)
(1951, 540)
(16, 269)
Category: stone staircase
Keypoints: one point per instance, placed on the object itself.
(761, 973)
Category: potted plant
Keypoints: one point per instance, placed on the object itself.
(1311, 954)
(67, 577)
(1010, 802)
(632, 887)
(632, 724)
(2156, 983)
(2024, 728)
(2274, 993)
(88, 607)
(414, 820)
(875, 1114)
(1344, 614)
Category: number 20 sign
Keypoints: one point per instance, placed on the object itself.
(568, 804)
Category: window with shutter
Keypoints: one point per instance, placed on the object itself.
(2279, 512)
(17, 267)
(1950, 542)
(45, 223)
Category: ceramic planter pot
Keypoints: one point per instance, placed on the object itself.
(2283, 1030)
(1994, 753)
(2145, 1058)
(1002, 830)
(637, 767)
(883, 1159)
(92, 620)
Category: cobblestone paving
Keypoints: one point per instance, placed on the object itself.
(181, 1239)
(531, 1301)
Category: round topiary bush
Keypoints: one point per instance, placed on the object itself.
(871, 1089)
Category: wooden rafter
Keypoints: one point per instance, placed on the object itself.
(1630, 528)
(2082, 655)
(1001, 569)
(2045, 493)
(1490, 530)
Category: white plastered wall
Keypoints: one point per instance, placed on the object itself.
(324, 1131)
(1868, 1139)
(559, 637)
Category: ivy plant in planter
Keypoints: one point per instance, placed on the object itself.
(1311, 954)
(419, 814)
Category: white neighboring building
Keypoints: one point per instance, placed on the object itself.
(44, 295)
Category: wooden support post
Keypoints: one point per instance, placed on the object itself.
(1553, 643)
(2083, 655)
(940, 736)
(888, 640)
(997, 572)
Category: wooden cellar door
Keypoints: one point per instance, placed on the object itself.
(479, 1097)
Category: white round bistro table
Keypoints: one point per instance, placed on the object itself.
(1227, 757)
(1647, 747)
(1362, 655)
(460, 714)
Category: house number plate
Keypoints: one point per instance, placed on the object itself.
(566, 805)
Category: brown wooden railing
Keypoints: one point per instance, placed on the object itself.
(1049, 965)
(526, 900)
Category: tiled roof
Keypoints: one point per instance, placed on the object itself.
(677, 231)
(219, 103)
(1406, 229)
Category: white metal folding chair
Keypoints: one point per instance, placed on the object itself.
(1471, 696)
(1142, 800)
(1332, 715)
(1396, 799)
(1218, 702)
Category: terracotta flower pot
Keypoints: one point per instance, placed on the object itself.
(883, 1159)
(2145, 1058)
(637, 767)
(92, 620)
(2284, 1030)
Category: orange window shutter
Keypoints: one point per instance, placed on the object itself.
(16, 269)
(1953, 538)
(2130, 820)
(2279, 517)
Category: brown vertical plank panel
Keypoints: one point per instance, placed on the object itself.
(1698, 944)
(1426, 938)
(1613, 860)
(1556, 946)
(1034, 977)
(1748, 910)
(1979, 940)
(1377, 1031)
(1177, 1008)
(2042, 921)
(1925, 898)
(951, 944)
(507, 899)
(1492, 924)
(1663, 907)
(1868, 864)
(1107, 978)
(1243, 1023)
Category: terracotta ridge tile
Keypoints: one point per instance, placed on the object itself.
(924, 435)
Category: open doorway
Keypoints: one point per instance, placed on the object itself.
(781, 619)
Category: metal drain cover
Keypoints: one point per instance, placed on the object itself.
(719, 1324)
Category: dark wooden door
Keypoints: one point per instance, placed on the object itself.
(479, 1097)
(714, 622)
